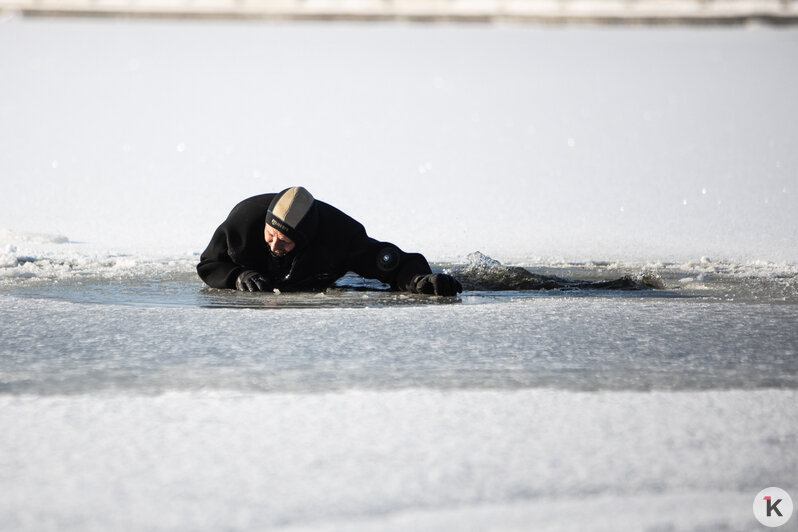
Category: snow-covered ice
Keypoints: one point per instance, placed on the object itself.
(133, 398)
(403, 460)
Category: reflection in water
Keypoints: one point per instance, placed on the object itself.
(485, 273)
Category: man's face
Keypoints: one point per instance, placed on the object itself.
(278, 243)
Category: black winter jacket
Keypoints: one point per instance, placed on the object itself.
(340, 244)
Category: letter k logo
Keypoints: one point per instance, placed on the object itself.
(772, 506)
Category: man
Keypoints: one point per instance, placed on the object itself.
(293, 242)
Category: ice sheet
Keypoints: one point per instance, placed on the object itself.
(588, 342)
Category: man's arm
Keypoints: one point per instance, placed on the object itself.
(408, 272)
(386, 262)
(216, 268)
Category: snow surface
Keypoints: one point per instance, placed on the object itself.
(406, 460)
(576, 150)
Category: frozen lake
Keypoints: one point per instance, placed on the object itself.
(132, 397)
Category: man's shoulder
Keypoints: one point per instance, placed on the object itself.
(328, 209)
(334, 219)
(253, 208)
(260, 203)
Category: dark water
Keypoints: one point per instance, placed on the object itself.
(186, 290)
(484, 281)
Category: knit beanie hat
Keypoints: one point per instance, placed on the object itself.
(293, 213)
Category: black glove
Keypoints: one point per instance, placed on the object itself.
(439, 284)
(252, 281)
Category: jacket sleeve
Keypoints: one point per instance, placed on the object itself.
(216, 267)
(385, 262)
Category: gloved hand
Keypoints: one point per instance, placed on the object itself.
(252, 281)
(439, 284)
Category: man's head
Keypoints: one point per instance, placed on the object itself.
(291, 217)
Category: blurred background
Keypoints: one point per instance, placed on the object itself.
(531, 130)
